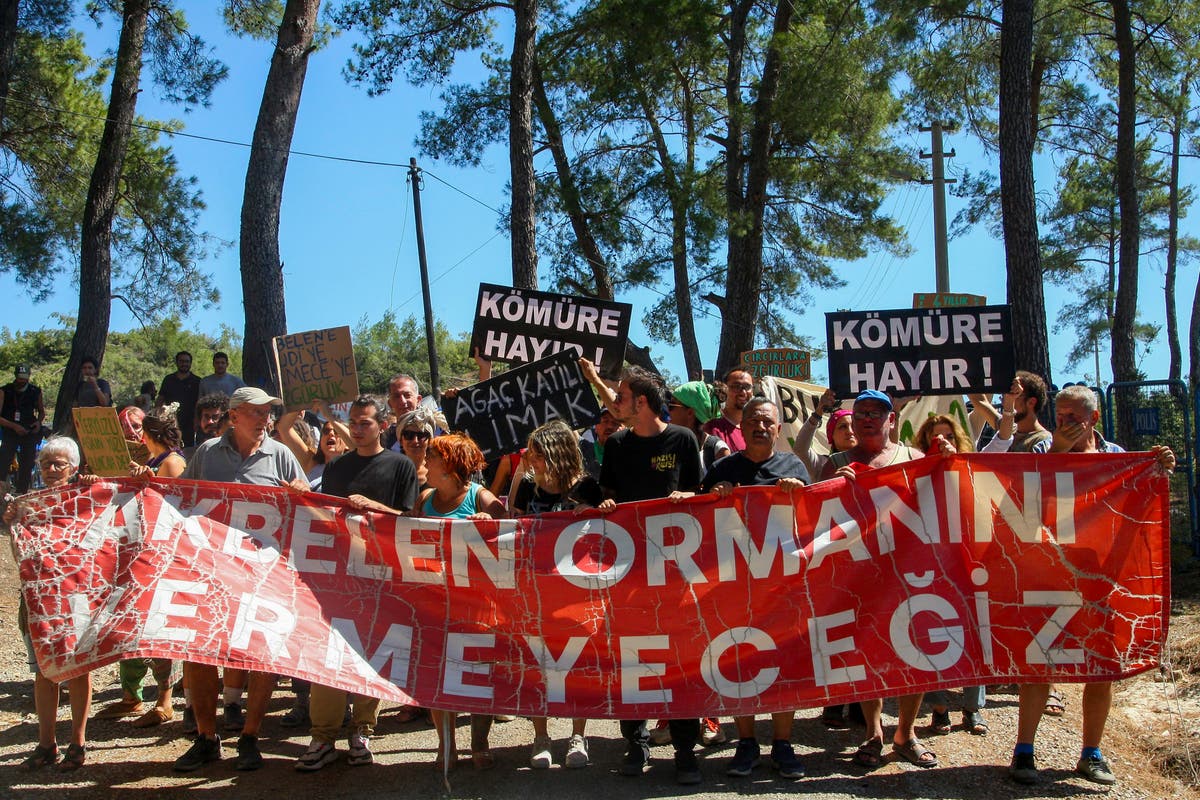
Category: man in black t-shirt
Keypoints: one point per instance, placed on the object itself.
(760, 465)
(372, 479)
(650, 459)
(182, 386)
(21, 415)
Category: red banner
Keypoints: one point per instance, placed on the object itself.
(939, 573)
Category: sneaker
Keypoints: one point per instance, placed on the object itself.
(1096, 770)
(687, 769)
(1023, 768)
(202, 751)
(503, 718)
(540, 758)
(710, 732)
(235, 718)
(577, 752)
(296, 717)
(316, 756)
(636, 759)
(661, 732)
(248, 756)
(783, 758)
(744, 760)
(360, 750)
(189, 721)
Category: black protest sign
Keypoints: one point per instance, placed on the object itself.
(500, 413)
(519, 326)
(921, 351)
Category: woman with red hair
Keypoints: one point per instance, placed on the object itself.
(449, 463)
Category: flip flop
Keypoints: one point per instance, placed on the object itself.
(914, 752)
(1055, 707)
(153, 717)
(869, 754)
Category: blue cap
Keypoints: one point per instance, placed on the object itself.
(879, 397)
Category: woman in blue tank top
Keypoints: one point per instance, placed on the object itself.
(449, 464)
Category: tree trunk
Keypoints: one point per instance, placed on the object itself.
(262, 271)
(520, 146)
(743, 281)
(95, 250)
(1018, 206)
(8, 51)
(1194, 344)
(1175, 370)
(1123, 350)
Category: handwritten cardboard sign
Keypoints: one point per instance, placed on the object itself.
(103, 441)
(778, 362)
(518, 326)
(500, 413)
(922, 351)
(316, 365)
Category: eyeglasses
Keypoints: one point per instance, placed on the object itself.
(741, 387)
(870, 414)
(56, 465)
(414, 436)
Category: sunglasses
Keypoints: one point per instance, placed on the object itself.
(870, 414)
(414, 436)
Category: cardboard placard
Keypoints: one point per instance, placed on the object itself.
(519, 326)
(500, 413)
(920, 351)
(316, 365)
(103, 442)
(947, 300)
(778, 362)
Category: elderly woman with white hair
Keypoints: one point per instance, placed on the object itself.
(59, 464)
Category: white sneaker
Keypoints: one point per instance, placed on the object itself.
(710, 731)
(316, 756)
(577, 754)
(661, 733)
(360, 750)
(541, 758)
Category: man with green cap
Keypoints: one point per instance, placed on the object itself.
(691, 405)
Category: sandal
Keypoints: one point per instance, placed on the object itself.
(974, 722)
(833, 719)
(869, 754)
(153, 717)
(1055, 707)
(941, 724)
(42, 757)
(73, 760)
(482, 759)
(122, 708)
(914, 752)
(481, 754)
(409, 714)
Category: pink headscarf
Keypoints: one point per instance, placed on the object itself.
(130, 416)
(832, 424)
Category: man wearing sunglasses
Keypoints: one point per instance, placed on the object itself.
(872, 419)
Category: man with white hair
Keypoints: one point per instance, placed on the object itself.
(1076, 413)
(245, 453)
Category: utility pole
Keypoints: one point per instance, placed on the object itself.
(941, 250)
(414, 177)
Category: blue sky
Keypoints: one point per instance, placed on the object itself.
(349, 248)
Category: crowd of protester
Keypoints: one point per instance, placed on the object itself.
(395, 456)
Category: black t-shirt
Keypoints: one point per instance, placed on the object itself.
(387, 477)
(532, 499)
(741, 471)
(647, 467)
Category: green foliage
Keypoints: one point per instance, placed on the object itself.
(142, 354)
(260, 19)
(386, 348)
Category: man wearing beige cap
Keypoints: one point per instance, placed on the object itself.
(243, 454)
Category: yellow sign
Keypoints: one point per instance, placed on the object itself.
(103, 441)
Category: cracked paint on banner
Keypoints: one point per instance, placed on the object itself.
(938, 573)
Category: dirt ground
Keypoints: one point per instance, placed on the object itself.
(1153, 741)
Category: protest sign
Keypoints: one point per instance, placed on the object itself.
(522, 325)
(316, 365)
(937, 573)
(946, 300)
(922, 351)
(500, 413)
(778, 362)
(103, 441)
